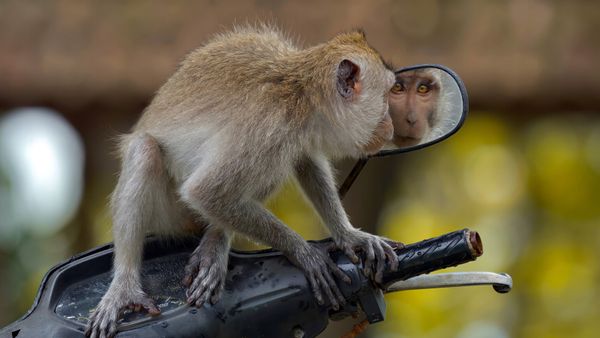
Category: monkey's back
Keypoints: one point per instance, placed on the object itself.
(220, 91)
(227, 71)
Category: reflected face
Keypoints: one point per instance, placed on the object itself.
(413, 104)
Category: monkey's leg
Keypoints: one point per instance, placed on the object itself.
(315, 177)
(207, 268)
(221, 202)
(139, 203)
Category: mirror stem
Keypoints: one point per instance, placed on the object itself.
(360, 164)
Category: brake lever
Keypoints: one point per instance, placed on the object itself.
(501, 282)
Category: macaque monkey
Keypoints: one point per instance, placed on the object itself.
(414, 102)
(382, 135)
(242, 114)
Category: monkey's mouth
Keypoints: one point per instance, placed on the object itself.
(406, 141)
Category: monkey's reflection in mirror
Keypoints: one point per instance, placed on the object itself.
(425, 104)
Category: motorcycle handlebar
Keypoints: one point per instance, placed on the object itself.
(437, 253)
(448, 250)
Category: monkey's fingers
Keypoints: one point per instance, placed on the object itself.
(315, 288)
(369, 260)
(391, 255)
(324, 285)
(381, 258)
(339, 273)
(217, 293)
(349, 251)
(393, 244)
(335, 294)
(325, 246)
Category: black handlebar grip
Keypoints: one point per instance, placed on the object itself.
(433, 254)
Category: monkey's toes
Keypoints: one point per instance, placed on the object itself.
(103, 322)
(145, 303)
(207, 285)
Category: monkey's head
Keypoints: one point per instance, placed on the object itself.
(413, 105)
(355, 93)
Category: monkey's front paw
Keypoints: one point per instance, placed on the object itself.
(376, 249)
(205, 276)
(103, 322)
(320, 270)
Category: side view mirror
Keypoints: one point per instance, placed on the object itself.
(427, 104)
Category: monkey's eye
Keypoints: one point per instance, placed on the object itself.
(423, 88)
(398, 87)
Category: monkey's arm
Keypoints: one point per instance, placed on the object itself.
(316, 178)
(224, 205)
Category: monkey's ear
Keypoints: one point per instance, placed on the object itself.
(347, 78)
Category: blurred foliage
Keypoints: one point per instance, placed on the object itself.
(531, 191)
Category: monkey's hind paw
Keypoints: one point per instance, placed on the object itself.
(205, 278)
(103, 322)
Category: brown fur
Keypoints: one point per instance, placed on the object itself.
(240, 115)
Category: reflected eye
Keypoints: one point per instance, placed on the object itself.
(422, 89)
(398, 87)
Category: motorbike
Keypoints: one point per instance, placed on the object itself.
(265, 295)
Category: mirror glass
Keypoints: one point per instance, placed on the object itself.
(428, 103)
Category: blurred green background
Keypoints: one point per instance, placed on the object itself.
(524, 171)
